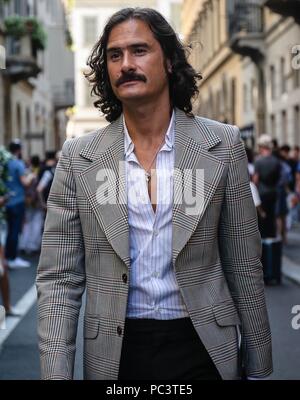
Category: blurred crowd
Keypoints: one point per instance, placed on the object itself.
(24, 190)
(275, 185)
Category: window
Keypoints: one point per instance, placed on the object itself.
(233, 100)
(273, 126)
(18, 7)
(245, 93)
(19, 121)
(218, 104)
(224, 95)
(295, 65)
(283, 126)
(253, 94)
(297, 125)
(89, 31)
(282, 75)
(28, 124)
(272, 81)
(218, 19)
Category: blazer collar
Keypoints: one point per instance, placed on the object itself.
(185, 127)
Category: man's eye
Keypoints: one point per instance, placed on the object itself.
(140, 51)
(114, 56)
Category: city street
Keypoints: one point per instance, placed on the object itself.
(19, 352)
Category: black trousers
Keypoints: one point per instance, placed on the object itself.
(267, 225)
(164, 349)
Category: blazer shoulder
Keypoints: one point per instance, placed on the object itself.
(230, 134)
(72, 147)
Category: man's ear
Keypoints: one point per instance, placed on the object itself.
(169, 66)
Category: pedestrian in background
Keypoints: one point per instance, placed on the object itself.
(254, 190)
(31, 236)
(15, 207)
(294, 197)
(4, 279)
(283, 189)
(266, 177)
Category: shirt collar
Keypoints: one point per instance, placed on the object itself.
(169, 137)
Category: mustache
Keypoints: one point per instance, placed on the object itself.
(130, 76)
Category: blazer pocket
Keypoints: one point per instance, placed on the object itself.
(91, 327)
(226, 314)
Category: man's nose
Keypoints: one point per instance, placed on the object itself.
(128, 62)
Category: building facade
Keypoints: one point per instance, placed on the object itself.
(247, 54)
(37, 82)
(87, 20)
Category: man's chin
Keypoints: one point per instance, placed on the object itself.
(126, 96)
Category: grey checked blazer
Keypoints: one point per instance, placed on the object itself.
(216, 254)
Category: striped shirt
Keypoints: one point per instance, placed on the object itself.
(153, 289)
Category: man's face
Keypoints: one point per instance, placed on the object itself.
(136, 64)
(284, 154)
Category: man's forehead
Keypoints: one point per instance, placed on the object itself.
(129, 33)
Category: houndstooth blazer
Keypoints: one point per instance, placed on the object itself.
(216, 254)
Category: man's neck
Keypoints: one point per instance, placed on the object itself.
(147, 124)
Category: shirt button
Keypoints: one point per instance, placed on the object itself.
(119, 330)
(124, 278)
(155, 233)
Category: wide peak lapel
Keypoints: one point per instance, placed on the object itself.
(196, 176)
(104, 185)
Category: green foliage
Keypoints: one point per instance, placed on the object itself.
(17, 26)
(69, 39)
(14, 26)
(38, 34)
(4, 158)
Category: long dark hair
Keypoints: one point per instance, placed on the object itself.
(182, 80)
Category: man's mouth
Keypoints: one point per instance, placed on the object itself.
(130, 79)
(129, 82)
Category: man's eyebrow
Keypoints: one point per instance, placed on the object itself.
(134, 45)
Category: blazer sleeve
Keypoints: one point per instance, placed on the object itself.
(61, 276)
(240, 252)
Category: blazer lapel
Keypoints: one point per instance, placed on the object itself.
(193, 140)
(103, 183)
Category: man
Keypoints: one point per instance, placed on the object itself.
(167, 288)
(15, 206)
(266, 178)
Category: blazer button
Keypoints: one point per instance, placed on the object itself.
(119, 330)
(124, 278)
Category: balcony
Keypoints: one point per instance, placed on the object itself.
(21, 59)
(287, 8)
(245, 29)
(64, 97)
(24, 36)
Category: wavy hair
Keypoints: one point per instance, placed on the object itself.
(182, 80)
